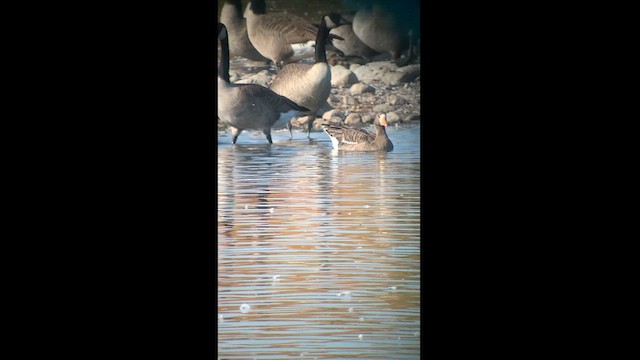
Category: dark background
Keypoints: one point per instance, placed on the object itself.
(117, 144)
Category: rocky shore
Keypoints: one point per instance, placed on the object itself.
(359, 91)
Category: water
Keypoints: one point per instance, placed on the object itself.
(318, 250)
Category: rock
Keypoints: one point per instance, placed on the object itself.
(342, 76)
(332, 113)
(350, 100)
(259, 78)
(382, 108)
(393, 117)
(397, 77)
(360, 88)
(353, 118)
(385, 66)
(317, 124)
(367, 119)
(352, 67)
(393, 99)
(367, 73)
(302, 121)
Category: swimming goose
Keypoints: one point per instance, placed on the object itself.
(283, 38)
(308, 85)
(249, 106)
(239, 44)
(350, 139)
(387, 26)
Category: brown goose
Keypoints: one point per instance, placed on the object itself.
(308, 85)
(387, 26)
(239, 44)
(283, 38)
(249, 106)
(350, 139)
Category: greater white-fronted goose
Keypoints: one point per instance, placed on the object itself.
(351, 139)
(239, 44)
(249, 106)
(388, 26)
(283, 38)
(308, 85)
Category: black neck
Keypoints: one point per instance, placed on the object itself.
(223, 67)
(321, 42)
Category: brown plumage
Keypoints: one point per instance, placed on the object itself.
(249, 106)
(351, 139)
(239, 44)
(283, 38)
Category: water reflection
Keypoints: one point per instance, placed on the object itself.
(323, 246)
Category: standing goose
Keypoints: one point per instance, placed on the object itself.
(249, 106)
(350, 139)
(352, 45)
(239, 44)
(283, 38)
(387, 26)
(307, 84)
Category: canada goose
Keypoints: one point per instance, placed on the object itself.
(249, 106)
(387, 26)
(352, 45)
(283, 38)
(239, 44)
(307, 84)
(351, 139)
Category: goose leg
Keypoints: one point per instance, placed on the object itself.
(267, 133)
(235, 132)
(309, 126)
(290, 131)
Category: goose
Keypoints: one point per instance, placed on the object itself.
(307, 84)
(282, 38)
(239, 44)
(387, 27)
(249, 106)
(351, 46)
(351, 139)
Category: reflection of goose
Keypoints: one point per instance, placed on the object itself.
(387, 26)
(283, 38)
(350, 139)
(307, 84)
(239, 44)
(249, 106)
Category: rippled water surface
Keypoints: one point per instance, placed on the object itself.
(318, 250)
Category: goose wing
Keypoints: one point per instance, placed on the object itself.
(347, 135)
(280, 103)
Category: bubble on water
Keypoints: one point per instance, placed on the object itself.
(351, 309)
(276, 277)
(417, 333)
(246, 207)
(221, 318)
(367, 206)
(392, 288)
(348, 213)
(361, 319)
(271, 210)
(245, 308)
(345, 294)
(401, 194)
(360, 336)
